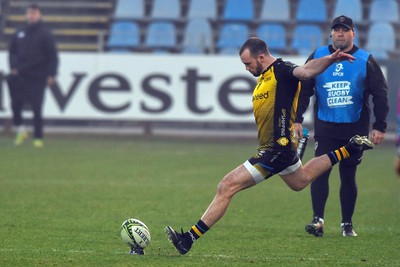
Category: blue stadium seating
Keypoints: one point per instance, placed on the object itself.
(163, 9)
(381, 39)
(123, 36)
(198, 37)
(306, 38)
(384, 11)
(231, 38)
(311, 11)
(161, 35)
(350, 8)
(129, 9)
(238, 10)
(274, 34)
(271, 11)
(202, 9)
(269, 23)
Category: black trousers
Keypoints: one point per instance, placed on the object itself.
(27, 90)
(348, 185)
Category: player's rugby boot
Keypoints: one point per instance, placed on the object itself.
(360, 142)
(182, 241)
(136, 251)
(38, 143)
(20, 138)
(347, 229)
(316, 227)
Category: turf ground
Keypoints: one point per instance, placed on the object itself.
(63, 206)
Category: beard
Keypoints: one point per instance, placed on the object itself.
(258, 70)
(341, 45)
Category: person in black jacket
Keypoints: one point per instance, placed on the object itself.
(342, 110)
(33, 62)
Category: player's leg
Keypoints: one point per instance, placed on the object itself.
(319, 188)
(297, 178)
(36, 97)
(302, 176)
(17, 104)
(233, 182)
(348, 193)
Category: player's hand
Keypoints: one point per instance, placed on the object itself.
(340, 56)
(377, 137)
(298, 130)
(50, 81)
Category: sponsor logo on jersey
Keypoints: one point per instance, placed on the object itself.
(260, 96)
(283, 141)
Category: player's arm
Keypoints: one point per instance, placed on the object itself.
(376, 85)
(316, 66)
(306, 92)
(12, 55)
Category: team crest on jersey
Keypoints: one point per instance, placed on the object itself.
(283, 141)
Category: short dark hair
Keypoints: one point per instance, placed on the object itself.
(256, 47)
(34, 6)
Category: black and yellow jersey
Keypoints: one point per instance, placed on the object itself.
(275, 103)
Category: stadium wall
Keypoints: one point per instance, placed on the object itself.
(155, 88)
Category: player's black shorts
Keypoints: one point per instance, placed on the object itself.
(268, 163)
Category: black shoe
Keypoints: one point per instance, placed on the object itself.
(361, 143)
(316, 227)
(182, 242)
(347, 229)
(136, 251)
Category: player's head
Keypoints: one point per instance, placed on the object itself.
(342, 33)
(33, 14)
(253, 54)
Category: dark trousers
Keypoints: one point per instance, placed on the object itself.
(27, 90)
(348, 185)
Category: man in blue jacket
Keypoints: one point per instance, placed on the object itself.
(33, 63)
(342, 110)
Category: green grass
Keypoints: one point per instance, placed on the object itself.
(63, 206)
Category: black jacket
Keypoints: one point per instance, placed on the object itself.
(32, 51)
(375, 85)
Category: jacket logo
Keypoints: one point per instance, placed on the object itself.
(338, 70)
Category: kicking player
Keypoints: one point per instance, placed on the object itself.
(275, 102)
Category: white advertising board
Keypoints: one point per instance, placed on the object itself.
(145, 87)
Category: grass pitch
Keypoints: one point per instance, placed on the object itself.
(63, 206)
